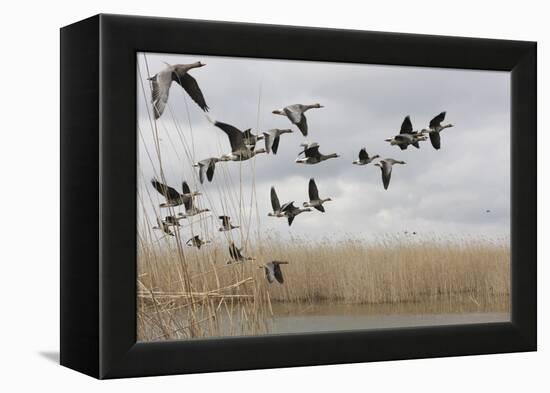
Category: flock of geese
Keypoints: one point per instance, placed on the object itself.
(244, 146)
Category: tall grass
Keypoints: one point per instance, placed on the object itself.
(354, 272)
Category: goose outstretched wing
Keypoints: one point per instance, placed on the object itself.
(210, 170)
(436, 121)
(297, 117)
(160, 88)
(168, 192)
(386, 174)
(435, 138)
(192, 88)
(235, 136)
(278, 273)
(363, 155)
(312, 151)
(313, 191)
(275, 200)
(406, 126)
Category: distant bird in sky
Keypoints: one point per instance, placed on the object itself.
(295, 114)
(386, 168)
(314, 200)
(226, 224)
(272, 137)
(487, 211)
(164, 227)
(312, 154)
(435, 128)
(191, 210)
(273, 271)
(172, 221)
(364, 158)
(290, 211)
(275, 205)
(236, 254)
(407, 136)
(196, 241)
(239, 149)
(206, 167)
(173, 197)
(179, 73)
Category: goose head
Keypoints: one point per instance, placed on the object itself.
(301, 160)
(317, 105)
(278, 112)
(197, 64)
(285, 131)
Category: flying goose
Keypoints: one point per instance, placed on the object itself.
(290, 211)
(273, 271)
(226, 224)
(312, 155)
(208, 165)
(173, 197)
(407, 136)
(236, 255)
(272, 139)
(164, 227)
(172, 221)
(364, 158)
(180, 73)
(295, 114)
(386, 167)
(191, 210)
(277, 211)
(435, 128)
(314, 200)
(239, 150)
(196, 241)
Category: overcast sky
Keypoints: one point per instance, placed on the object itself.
(444, 191)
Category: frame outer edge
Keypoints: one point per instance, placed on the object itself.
(524, 189)
(79, 275)
(120, 356)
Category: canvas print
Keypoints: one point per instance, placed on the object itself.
(278, 196)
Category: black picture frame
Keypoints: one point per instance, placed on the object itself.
(98, 195)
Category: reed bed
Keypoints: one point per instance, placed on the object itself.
(388, 271)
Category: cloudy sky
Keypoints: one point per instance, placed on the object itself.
(443, 191)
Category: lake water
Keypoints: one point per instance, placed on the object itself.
(295, 318)
(290, 318)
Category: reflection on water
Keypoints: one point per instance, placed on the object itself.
(295, 318)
